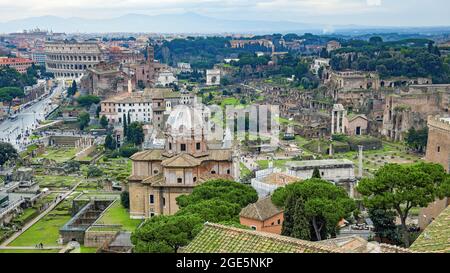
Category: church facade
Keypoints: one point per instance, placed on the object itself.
(159, 176)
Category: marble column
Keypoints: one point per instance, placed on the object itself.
(332, 122)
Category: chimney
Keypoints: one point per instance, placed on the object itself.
(360, 159)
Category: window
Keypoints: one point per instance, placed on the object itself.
(170, 145)
(183, 147)
(213, 172)
(152, 199)
(155, 172)
(152, 214)
(179, 180)
(195, 178)
(198, 145)
(253, 227)
(439, 149)
(279, 221)
(164, 202)
(228, 171)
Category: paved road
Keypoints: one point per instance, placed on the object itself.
(27, 120)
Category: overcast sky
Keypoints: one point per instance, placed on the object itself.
(333, 12)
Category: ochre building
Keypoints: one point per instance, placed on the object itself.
(159, 176)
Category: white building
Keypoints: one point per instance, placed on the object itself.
(165, 78)
(268, 180)
(334, 170)
(318, 63)
(229, 60)
(213, 77)
(136, 104)
(338, 171)
(184, 68)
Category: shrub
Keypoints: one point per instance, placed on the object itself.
(128, 150)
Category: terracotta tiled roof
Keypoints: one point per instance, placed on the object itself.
(149, 155)
(136, 177)
(436, 237)
(207, 177)
(279, 179)
(356, 244)
(223, 239)
(216, 238)
(218, 155)
(155, 179)
(262, 210)
(183, 160)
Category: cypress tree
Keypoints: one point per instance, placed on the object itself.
(300, 228)
(316, 173)
(288, 222)
(125, 129)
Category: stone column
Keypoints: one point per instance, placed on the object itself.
(360, 161)
(338, 126)
(332, 122)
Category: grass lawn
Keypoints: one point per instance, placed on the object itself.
(375, 159)
(279, 163)
(60, 155)
(229, 101)
(117, 168)
(29, 250)
(25, 214)
(57, 182)
(46, 230)
(244, 170)
(118, 215)
(84, 249)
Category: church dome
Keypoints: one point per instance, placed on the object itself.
(184, 120)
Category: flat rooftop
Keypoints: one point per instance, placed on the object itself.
(319, 163)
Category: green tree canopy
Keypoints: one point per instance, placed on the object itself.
(295, 223)
(88, 100)
(72, 90)
(384, 224)
(324, 204)
(84, 119)
(316, 173)
(94, 171)
(402, 187)
(7, 152)
(213, 210)
(110, 142)
(417, 139)
(166, 234)
(8, 94)
(226, 190)
(135, 133)
(104, 122)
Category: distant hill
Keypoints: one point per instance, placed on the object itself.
(194, 23)
(174, 23)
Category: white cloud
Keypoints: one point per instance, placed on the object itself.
(374, 3)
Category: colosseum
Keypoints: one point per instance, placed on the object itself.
(70, 59)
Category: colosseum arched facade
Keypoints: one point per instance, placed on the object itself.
(70, 59)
